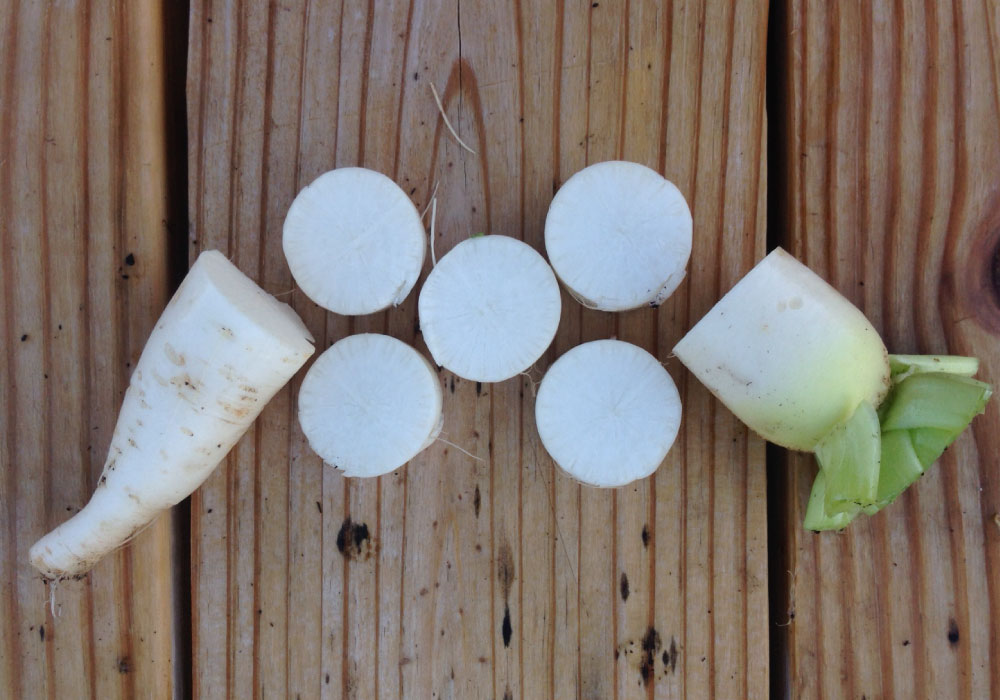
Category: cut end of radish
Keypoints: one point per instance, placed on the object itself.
(608, 413)
(489, 309)
(786, 353)
(276, 319)
(369, 404)
(618, 235)
(354, 241)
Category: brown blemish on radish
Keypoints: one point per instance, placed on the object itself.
(234, 410)
(173, 355)
(184, 381)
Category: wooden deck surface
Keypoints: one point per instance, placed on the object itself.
(497, 577)
(893, 194)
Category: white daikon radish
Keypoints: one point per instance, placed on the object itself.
(800, 365)
(369, 404)
(618, 235)
(489, 308)
(220, 350)
(607, 412)
(787, 353)
(354, 241)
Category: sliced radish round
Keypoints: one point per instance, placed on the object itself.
(354, 241)
(619, 236)
(607, 412)
(489, 308)
(369, 404)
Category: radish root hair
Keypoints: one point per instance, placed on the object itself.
(427, 207)
(434, 209)
(532, 382)
(460, 449)
(52, 598)
(448, 123)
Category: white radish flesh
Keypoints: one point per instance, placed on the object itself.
(354, 241)
(369, 404)
(220, 350)
(789, 355)
(607, 412)
(618, 235)
(489, 309)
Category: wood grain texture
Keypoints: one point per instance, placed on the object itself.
(499, 577)
(83, 276)
(894, 197)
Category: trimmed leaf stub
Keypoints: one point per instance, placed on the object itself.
(932, 400)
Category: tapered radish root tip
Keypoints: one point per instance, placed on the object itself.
(186, 405)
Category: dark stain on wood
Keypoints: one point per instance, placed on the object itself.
(477, 501)
(479, 388)
(505, 569)
(41, 632)
(124, 665)
(508, 694)
(953, 632)
(354, 541)
(670, 657)
(623, 586)
(505, 628)
(645, 535)
(651, 644)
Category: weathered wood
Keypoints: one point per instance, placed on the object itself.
(893, 164)
(84, 276)
(498, 577)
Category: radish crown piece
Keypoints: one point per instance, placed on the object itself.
(801, 366)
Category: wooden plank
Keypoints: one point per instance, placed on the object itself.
(495, 575)
(84, 275)
(893, 162)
